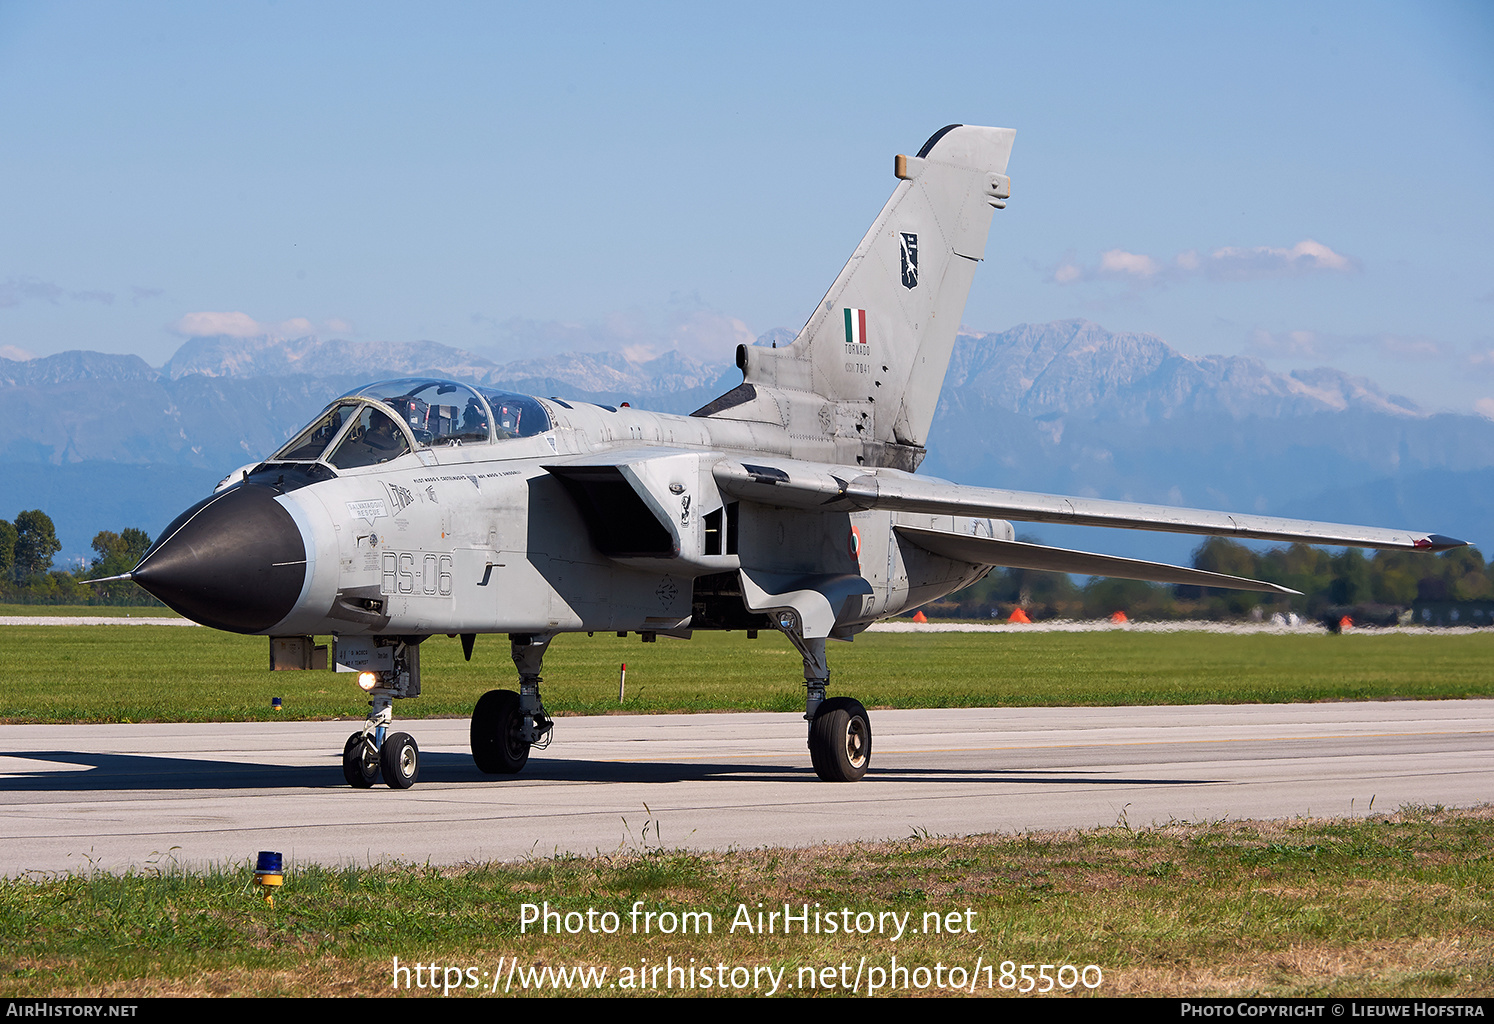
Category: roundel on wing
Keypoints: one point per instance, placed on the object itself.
(853, 544)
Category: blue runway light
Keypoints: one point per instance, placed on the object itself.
(268, 873)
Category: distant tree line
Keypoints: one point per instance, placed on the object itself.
(1374, 588)
(28, 546)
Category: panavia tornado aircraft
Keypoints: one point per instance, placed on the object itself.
(412, 508)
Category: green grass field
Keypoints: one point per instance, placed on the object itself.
(168, 673)
(80, 610)
(1392, 905)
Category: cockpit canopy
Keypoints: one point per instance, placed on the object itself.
(383, 421)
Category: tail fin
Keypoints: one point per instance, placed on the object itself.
(882, 336)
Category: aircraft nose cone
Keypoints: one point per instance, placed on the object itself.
(235, 561)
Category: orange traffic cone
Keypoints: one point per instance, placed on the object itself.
(1118, 617)
(1018, 615)
(919, 616)
(1345, 623)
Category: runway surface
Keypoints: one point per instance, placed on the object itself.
(112, 797)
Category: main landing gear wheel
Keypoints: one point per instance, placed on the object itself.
(840, 740)
(399, 761)
(497, 731)
(360, 765)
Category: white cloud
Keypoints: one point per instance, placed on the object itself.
(1232, 263)
(1227, 263)
(242, 325)
(1411, 348)
(1120, 262)
(640, 353)
(1482, 358)
(15, 290)
(705, 334)
(1316, 345)
(1484, 407)
(213, 325)
(638, 336)
(20, 355)
(1294, 344)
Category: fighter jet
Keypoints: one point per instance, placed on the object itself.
(415, 508)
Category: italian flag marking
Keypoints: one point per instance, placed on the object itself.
(855, 326)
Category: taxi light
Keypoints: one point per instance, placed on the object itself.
(368, 680)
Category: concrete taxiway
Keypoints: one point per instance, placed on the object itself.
(112, 797)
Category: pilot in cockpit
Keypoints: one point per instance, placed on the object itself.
(474, 423)
(375, 438)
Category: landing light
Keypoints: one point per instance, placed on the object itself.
(368, 680)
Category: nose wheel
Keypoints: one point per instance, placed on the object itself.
(399, 761)
(360, 762)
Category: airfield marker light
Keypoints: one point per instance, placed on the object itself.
(275, 704)
(368, 680)
(269, 874)
(622, 681)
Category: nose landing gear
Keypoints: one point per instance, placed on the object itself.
(374, 752)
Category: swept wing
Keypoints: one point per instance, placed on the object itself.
(797, 484)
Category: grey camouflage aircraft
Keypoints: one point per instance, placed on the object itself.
(412, 508)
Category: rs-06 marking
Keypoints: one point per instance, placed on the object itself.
(433, 578)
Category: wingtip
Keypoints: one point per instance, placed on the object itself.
(1437, 542)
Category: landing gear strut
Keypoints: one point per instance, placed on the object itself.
(840, 737)
(505, 724)
(374, 752)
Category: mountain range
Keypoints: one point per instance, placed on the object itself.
(106, 441)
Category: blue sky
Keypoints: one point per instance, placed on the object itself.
(1311, 184)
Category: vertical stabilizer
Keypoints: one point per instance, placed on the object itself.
(880, 341)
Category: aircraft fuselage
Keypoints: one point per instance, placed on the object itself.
(487, 538)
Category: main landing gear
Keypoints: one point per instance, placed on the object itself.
(505, 724)
(840, 738)
(374, 752)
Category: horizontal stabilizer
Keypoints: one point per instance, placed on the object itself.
(1014, 554)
